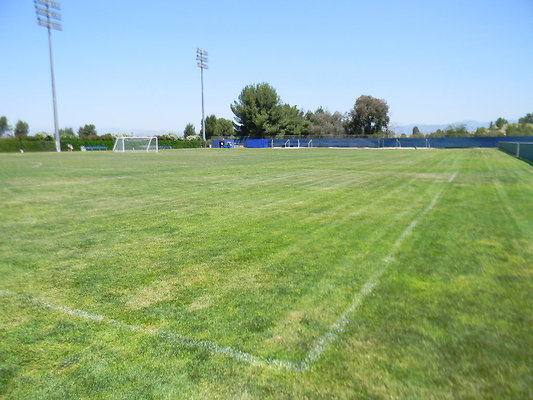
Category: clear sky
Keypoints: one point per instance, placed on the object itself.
(127, 66)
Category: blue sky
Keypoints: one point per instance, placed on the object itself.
(130, 66)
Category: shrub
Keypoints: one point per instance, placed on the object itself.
(42, 143)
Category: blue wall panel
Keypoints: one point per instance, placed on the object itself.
(518, 149)
(257, 143)
(460, 142)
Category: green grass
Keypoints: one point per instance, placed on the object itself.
(186, 254)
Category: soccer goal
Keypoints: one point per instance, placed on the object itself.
(298, 143)
(136, 143)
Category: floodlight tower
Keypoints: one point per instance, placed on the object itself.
(201, 57)
(50, 19)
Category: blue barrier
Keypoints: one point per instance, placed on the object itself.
(257, 143)
(518, 149)
(325, 142)
(458, 142)
(95, 148)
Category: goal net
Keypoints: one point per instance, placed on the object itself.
(136, 143)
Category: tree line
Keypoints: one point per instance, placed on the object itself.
(260, 113)
(86, 131)
(501, 127)
(22, 129)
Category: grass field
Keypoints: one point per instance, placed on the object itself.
(258, 274)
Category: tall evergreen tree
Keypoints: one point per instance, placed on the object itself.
(256, 111)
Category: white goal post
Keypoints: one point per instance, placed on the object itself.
(136, 143)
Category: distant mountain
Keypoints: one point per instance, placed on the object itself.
(428, 128)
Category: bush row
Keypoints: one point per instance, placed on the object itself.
(29, 143)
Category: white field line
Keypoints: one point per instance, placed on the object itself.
(321, 345)
(339, 326)
(183, 340)
(452, 178)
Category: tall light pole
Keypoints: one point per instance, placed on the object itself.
(47, 17)
(201, 57)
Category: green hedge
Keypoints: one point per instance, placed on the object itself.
(181, 144)
(26, 144)
(30, 143)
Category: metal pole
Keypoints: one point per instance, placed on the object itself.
(51, 20)
(56, 125)
(203, 114)
(201, 57)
